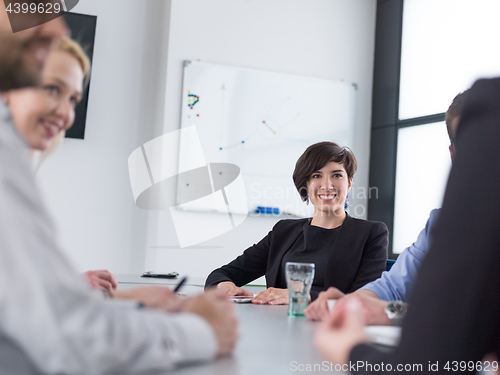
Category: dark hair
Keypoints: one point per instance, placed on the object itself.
(316, 157)
(454, 111)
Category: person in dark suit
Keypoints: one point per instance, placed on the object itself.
(347, 252)
(454, 319)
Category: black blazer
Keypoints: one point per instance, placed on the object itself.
(358, 256)
(455, 304)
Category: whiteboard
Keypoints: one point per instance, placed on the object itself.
(262, 122)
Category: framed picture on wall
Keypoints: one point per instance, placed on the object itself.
(83, 28)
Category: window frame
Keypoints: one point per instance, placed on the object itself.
(385, 114)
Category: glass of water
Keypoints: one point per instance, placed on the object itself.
(299, 279)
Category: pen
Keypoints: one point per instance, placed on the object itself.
(179, 286)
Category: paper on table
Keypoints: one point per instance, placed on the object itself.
(384, 335)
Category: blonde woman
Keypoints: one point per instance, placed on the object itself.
(50, 322)
(42, 115)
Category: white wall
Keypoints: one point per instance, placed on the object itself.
(319, 38)
(86, 182)
(135, 96)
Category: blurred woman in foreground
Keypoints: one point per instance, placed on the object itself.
(42, 115)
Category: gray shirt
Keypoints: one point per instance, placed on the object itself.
(50, 321)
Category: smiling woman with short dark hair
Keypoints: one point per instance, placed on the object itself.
(317, 156)
(347, 252)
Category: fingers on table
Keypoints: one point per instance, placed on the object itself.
(103, 284)
(245, 292)
(232, 290)
(313, 311)
(238, 292)
(272, 296)
(103, 278)
(108, 276)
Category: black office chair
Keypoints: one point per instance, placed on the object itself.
(390, 263)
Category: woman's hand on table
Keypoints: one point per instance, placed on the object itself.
(153, 297)
(211, 306)
(318, 310)
(341, 331)
(232, 290)
(272, 296)
(101, 279)
(219, 313)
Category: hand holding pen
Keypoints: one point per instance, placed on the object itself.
(181, 283)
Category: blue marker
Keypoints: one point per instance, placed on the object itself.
(267, 210)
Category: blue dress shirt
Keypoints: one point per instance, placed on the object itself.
(397, 284)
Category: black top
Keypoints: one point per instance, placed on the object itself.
(454, 312)
(312, 246)
(358, 256)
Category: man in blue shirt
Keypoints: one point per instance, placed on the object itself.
(396, 284)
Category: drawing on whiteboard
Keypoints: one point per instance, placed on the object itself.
(270, 129)
(262, 122)
(193, 99)
(269, 126)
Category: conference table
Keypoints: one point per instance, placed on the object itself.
(270, 341)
